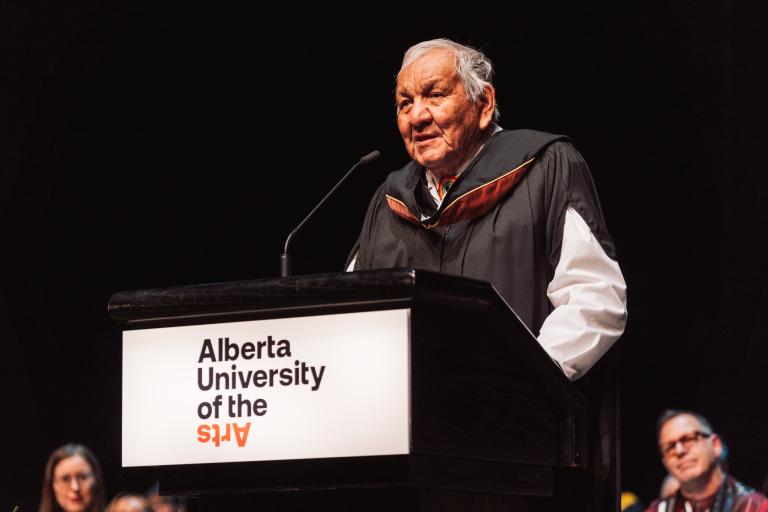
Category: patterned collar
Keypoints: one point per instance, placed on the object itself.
(433, 181)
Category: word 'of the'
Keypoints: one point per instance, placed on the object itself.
(237, 407)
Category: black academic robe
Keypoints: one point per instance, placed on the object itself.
(502, 220)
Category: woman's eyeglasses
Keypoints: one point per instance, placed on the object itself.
(66, 480)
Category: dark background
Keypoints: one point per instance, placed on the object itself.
(151, 145)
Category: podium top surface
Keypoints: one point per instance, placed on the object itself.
(383, 288)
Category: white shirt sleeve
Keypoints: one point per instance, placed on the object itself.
(351, 266)
(590, 299)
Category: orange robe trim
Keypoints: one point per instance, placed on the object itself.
(471, 204)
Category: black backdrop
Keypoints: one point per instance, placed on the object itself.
(146, 146)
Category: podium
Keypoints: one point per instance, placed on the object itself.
(490, 423)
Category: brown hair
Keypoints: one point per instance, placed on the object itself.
(48, 500)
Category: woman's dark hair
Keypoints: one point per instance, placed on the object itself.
(48, 499)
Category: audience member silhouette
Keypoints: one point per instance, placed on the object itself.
(129, 502)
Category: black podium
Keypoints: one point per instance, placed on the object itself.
(494, 424)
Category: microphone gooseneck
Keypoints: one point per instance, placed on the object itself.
(285, 258)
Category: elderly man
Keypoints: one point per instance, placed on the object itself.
(691, 452)
(515, 208)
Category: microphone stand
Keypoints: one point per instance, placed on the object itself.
(285, 258)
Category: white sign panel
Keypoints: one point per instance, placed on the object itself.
(293, 388)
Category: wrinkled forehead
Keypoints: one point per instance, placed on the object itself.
(435, 65)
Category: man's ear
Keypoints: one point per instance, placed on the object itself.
(487, 106)
(717, 445)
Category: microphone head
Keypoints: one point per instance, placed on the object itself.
(370, 157)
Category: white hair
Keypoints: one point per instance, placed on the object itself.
(473, 68)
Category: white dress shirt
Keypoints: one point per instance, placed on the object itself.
(589, 295)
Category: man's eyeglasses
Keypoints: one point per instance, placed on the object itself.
(687, 441)
(66, 480)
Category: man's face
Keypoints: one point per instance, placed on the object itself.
(688, 459)
(441, 128)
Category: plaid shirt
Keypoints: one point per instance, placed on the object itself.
(732, 496)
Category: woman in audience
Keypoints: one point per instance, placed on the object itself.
(72, 481)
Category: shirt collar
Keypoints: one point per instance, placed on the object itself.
(433, 181)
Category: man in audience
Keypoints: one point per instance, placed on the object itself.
(691, 451)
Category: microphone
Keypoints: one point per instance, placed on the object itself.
(285, 258)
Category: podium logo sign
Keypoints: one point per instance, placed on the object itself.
(293, 388)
